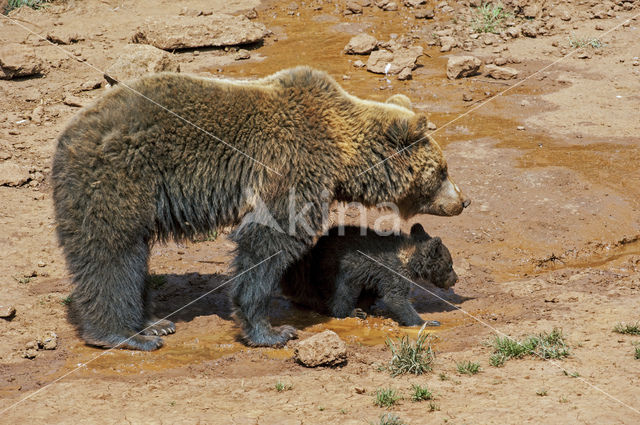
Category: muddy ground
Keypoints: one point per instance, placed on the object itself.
(550, 240)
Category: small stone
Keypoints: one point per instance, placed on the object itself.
(41, 264)
(529, 30)
(431, 126)
(353, 7)
(413, 3)
(424, 14)
(361, 44)
(583, 54)
(59, 36)
(378, 61)
(251, 14)
(7, 312)
(136, 60)
(520, 128)
(73, 101)
(31, 345)
(448, 43)
(467, 97)
(359, 64)
(48, 341)
(242, 54)
(390, 7)
(323, 349)
(531, 11)
(30, 354)
(13, 174)
(500, 61)
(513, 32)
(405, 74)
(599, 27)
(501, 72)
(91, 85)
(16, 61)
(636, 63)
(462, 66)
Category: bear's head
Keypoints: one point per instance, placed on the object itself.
(431, 260)
(429, 189)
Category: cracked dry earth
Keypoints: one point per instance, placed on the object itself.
(550, 240)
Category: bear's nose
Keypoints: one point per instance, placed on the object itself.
(466, 202)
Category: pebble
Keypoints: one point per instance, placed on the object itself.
(7, 311)
(520, 128)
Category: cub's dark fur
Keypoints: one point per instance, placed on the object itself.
(172, 156)
(336, 275)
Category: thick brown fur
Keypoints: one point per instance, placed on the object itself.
(128, 172)
(347, 269)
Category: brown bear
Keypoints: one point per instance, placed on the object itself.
(172, 156)
(346, 271)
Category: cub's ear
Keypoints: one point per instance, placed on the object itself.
(418, 233)
(431, 247)
(400, 100)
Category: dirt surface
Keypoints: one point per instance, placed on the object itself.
(550, 240)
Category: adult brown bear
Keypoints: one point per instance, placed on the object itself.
(171, 156)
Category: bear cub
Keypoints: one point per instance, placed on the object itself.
(335, 278)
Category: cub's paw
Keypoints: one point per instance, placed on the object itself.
(359, 313)
(135, 342)
(159, 327)
(270, 337)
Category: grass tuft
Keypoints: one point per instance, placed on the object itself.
(411, 358)
(15, 4)
(581, 42)
(389, 419)
(420, 393)
(627, 328)
(283, 387)
(546, 345)
(468, 368)
(489, 18)
(542, 392)
(386, 397)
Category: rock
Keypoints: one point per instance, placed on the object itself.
(30, 353)
(448, 43)
(37, 115)
(413, 3)
(242, 54)
(353, 7)
(13, 174)
(500, 61)
(7, 312)
(390, 7)
(529, 30)
(424, 14)
(405, 74)
(564, 14)
(513, 32)
(520, 128)
(361, 44)
(583, 54)
(467, 97)
(59, 36)
(216, 30)
(501, 72)
(251, 14)
(431, 126)
(599, 27)
(139, 59)
(531, 11)
(91, 85)
(359, 64)
(48, 341)
(16, 61)
(378, 61)
(462, 66)
(323, 349)
(73, 101)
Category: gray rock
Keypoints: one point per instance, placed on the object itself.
(183, 32)
(13, 174)
(7, 311)
(137, 60)
(501, 72)
(323, 349)
(462, 66)
(16, 61)
(361, 44)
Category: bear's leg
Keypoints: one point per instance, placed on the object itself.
(108, 299)
(263, 256)
(154, 325)
(345, 297)
(395, 294)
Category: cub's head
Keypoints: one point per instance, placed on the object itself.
(430, 188)
(431, 260)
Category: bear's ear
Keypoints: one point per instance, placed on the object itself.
(400, 100)
(418, 233)
(431, 247)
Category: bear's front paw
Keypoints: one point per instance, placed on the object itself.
(159, 327)
(270, 337)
